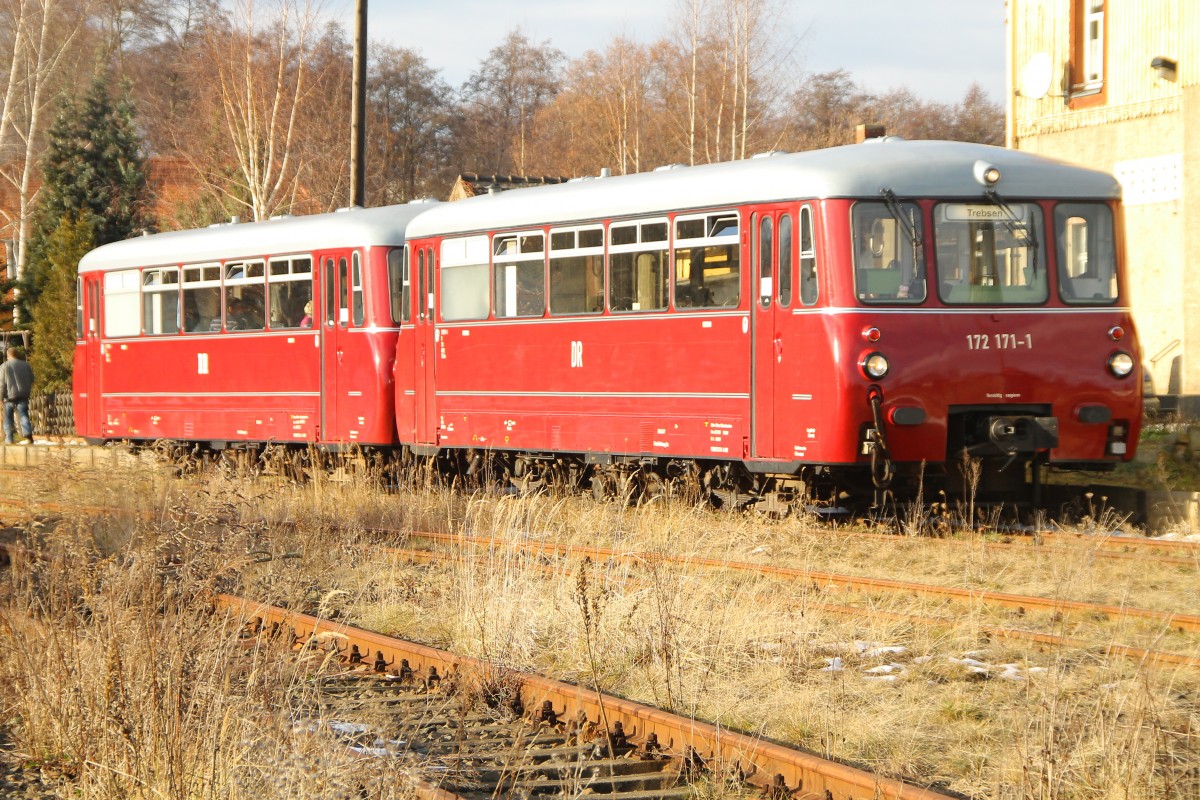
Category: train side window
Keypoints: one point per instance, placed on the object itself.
(202, 298)
(245, 296)
(465, 288)
(398, 285)
(707, 269)
(765, 252)
(78, 309)
(519, 280)
(421, 282)
(1087, 262)
(808, 259)
(160, 300)
(577, 271)
(290, 292)
(637, 265)
(343, 316)
(121, 313)
(330, 297)
(357, 307)
(785, 260)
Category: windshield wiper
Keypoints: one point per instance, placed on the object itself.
(909, 226)
(1017, 228)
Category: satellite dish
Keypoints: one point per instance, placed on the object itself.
(1036, 76)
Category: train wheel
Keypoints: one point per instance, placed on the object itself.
(602, 488)
(654, 487)
(683, 481)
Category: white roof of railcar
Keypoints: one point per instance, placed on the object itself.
(353, 227)
(910, 169)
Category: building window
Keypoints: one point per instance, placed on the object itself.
(1089, 52)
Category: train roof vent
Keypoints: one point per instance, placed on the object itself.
(770, 153)
(422, 201)
(280, 216)
(669, 167)
(884, 139)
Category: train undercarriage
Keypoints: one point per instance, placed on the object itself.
(981, 479)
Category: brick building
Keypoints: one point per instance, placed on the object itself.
(1115, 84)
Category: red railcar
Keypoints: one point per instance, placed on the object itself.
(281, 331)
(835, 318)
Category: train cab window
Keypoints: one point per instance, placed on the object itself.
(990, 254)
(1087, 262)
(889, 254)
(121, 313)
(577, 271)
(519, 280)
(290, 290)
(245, 296)
(202, 298)
(707, 268)
(464, 275)
(637, 264)
(357, 308)
(160, 300)
(398, 285)
(808, 259)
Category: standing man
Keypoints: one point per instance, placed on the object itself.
(16, 381)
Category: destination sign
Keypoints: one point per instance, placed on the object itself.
(972, 212)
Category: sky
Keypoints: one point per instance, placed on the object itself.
(935, 48)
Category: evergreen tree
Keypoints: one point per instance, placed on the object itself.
(53, 353)
(94, 173)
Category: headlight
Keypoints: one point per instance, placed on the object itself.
(874, 366)
(1120, 364)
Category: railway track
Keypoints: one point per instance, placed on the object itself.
(546, 736)
(1046, 640)
(359, 690)
(1021, 603)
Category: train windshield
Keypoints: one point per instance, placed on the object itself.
(889, 256)
(990, 254)
(1087, 263)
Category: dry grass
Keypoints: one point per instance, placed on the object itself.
(748, 652)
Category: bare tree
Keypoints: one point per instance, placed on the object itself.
(261, 75)
(731, 69)
(978, 119)
(603, 116)
(409, 118)
(825, 109)
(501, 99)
(38, 36)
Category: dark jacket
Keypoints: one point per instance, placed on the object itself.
(16, 380)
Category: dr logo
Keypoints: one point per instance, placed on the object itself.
(576, 355)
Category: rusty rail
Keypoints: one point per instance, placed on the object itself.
(777, 770)
(1051, 640)
(1182, 622)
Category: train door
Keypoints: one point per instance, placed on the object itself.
(89, 299)
(771, 244)
(335, 321)
(425, 344)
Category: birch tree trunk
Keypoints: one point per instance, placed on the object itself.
(43, 33)
(262, 80)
